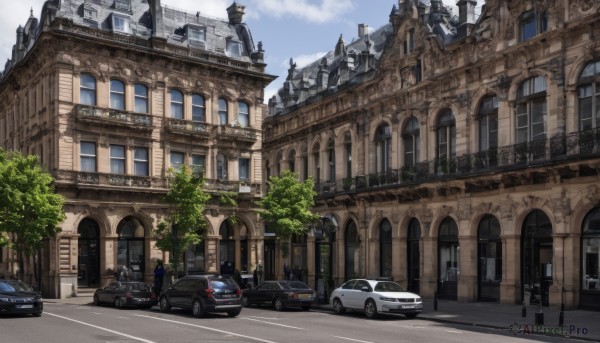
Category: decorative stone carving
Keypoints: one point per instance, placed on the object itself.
(561, 207)
(444, 211)
(592, 194)
(508, 208)
(577, 8)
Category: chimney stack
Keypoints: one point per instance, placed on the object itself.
(363, 29)
(466, 16)
(235, 13)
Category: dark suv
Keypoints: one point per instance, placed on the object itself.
(202, 294)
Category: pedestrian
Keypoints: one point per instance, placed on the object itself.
(124, 273)
(159, 273)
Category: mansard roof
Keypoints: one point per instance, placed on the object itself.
(356, 62)
(146, 19)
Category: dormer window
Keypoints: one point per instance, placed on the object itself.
(234, 48)
(123, 5)
(89, 12)
(196, 34)
(120, 23)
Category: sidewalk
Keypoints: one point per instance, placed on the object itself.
(579, 324)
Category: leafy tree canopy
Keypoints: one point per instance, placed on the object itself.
(185, 224)
(287, 204)
(30, 210)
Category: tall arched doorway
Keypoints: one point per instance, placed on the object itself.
(536, 258)
(449, 260)
(589, 297)
(227, 248)
(414, 256)
(489, 253)
(89, 254)
(352, 252)
(130, 248)
(385, 248)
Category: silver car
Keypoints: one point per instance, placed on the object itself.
(374, 296)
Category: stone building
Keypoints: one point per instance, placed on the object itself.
(111, 94)
(457, 154)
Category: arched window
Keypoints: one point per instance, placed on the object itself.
(385, 248)
(331, 159)
(130, 248)
(243, 114)
(89, 253)
(352, 251)
(278, 161)
(176, 104)
(348, 155)
(222, 111)
(449, 259)
(410, 138)
(446, 142)
(536, 257)
(87, 90)
(488, 123)
(198, 110)
(317, 163)
(141, 98)
(383, 144)
(117, 94)
(414, 256)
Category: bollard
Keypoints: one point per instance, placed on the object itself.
(561, 315)
(435, 301)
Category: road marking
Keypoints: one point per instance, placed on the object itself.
(207, 328)
(268, 318)
(453, 331)
(101, 328)
(352, 339)
(262, 321)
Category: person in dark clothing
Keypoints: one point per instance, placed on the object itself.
(159, 273)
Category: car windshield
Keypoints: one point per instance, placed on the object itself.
(138, 287)
(388, 287)
(14, 286)
(294, 285)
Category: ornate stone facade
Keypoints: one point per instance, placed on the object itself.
(476, 141)
(110, 95)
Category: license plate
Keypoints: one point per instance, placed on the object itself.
(24, 306)
(143, 299)
(305, 296)
(228, 296)
(408, 306)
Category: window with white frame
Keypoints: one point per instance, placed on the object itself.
(87, 90)
(234, 48)
(117, 159)
(222, 111)
(140, 161)
(243, 114)
(244, 169)
(89, 12)
(196, 34)
(141, 98)
(176, 104)
(198, 110)
(120, 23)
(117, 94)
(177, 159)
(88, 157)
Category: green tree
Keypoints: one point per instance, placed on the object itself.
(30, 210)
(287, 206)
(185, 224)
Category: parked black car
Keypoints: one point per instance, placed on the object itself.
(17, 297)
(203, 294)
(280, 294)
(126, 293)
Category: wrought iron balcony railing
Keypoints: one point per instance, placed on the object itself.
(95, 114)
(188, 127)
(562, 147)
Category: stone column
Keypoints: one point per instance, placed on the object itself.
(510, 287)
(211, 264)
(467, 280)
(430, 265)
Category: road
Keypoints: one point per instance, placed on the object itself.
(62, 323)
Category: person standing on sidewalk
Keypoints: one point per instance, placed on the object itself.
(159, 273)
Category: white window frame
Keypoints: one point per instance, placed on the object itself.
(196, 34)
(120, 23)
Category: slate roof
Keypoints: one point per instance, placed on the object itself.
(171, 24)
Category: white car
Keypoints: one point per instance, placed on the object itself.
(375, 296)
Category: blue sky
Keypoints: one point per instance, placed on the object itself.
(300, 29)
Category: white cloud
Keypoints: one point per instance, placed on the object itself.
(213, 8)
(320, 12)
(302, 60)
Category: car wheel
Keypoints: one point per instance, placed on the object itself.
(234, 313)
(371, 309)
(197, 309)
(278, 304)
(411, 315)
(305, 307)
(117, 302)
(164, 305)
(245, 301)
(337, 306)
(96, 300)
